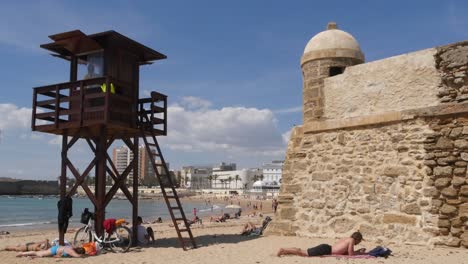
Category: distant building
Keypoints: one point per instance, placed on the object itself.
(122, 156)
(196, 177)
(235, 179)
(225, 167)
(272, 171)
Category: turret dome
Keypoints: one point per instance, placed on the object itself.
(332, 43)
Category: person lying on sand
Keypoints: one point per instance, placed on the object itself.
(344, 246)
(55, 251)
(251, 229)
(218, 219)
(196, 219)
(30, 246)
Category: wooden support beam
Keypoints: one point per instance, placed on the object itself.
(119, 182)
(83, 184)
(82, 177)
(63, 177)
(135, 188)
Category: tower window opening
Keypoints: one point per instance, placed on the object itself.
(335, 71)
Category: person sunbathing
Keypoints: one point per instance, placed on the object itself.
(30, 246)
(251, 229)
(196, 219)
(218, 219)
(344, 246)
(55, 251)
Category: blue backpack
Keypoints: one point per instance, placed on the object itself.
(380, 252)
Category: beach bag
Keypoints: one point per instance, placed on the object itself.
(85, 216)
(380, 252)
(91, 248)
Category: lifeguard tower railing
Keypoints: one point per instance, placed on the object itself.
(93, 102)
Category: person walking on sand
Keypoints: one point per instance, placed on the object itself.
(344, 246)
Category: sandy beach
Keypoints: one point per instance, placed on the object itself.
(221, 243)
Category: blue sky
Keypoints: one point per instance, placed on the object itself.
(232, 75)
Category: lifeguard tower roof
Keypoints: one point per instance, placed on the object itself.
(78, 43)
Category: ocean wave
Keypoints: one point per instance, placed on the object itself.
(215, 207)
(27, 224)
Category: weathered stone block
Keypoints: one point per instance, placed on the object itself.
(292, 188)
(461, 144)
(412, 208)
(444, 143)
(453, 201)
(464, 156)
(317, 204)
(322, 176)
(444, 231)
(443, 223)
(456, 132)
(463, 210)
(450, 192)
(448, 209)
(431, 192)
(459, 171)
(453, 242)
(464, 239)
(443, 171)
(458, 181)
(343, 225)
(395, 171)
(442, 182)
(464, 191)
(288, 213)
(399, 219)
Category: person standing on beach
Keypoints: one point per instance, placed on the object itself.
(194, 212)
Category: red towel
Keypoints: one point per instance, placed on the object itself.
(109, 225)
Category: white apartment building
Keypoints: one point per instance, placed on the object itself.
(235, 179)
(272, 171)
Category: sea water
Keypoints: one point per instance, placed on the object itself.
(19, 212)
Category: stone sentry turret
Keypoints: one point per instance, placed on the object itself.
(327, 54)
(383, 148)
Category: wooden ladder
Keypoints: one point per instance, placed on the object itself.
(175, 209)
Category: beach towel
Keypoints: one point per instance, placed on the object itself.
(350, 257)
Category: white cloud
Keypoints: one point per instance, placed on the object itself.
(286, 136)
(193, 103)
(295, 109)
(237, 129)
(13, 117)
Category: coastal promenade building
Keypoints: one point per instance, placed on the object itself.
(272, 171)
(383, 148)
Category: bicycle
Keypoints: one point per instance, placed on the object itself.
(118, 241)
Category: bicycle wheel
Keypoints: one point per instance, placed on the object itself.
(120, 240)
(83, 235)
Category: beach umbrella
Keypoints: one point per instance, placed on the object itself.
(233, 206)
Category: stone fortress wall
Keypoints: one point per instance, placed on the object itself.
(386, 154)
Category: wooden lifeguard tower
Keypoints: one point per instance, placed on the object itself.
(100, 104)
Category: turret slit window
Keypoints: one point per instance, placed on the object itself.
(335, 71)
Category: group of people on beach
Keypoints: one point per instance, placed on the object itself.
(145, 236)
